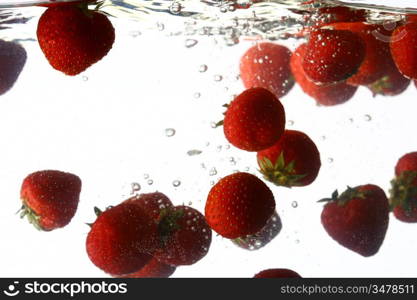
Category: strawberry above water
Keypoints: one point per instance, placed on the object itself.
(267, 65)
(333, 55)
(403, 194)
(358, 218)
(73, 38)
(254, 120)
(404, 49)
(122, 239)
(326, 95)
(238, 205)
(50, 198)
(293, 161)
(277, 273)
(185, 236)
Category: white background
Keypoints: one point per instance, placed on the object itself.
(108, 125)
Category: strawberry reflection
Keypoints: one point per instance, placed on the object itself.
(262, 238)
(12, 60)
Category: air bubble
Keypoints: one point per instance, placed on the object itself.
(135, 187)
(290, 122)
(84, 78)
(294, 204)
(367, 118)
(194, 152)
(169, 132)
(160, 26)
(175, 8)
(218, 78)
(202, 68)
(176, 183)
(145, 176)
(330, 160)
(213, 171)
(189, 43)
(150, 181)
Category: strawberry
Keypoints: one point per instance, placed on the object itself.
(277, 273)
(50, 198)
(372, 67)
(263, 237)
(392, 83)
(333, 55)
(12, 60)
(73, 38)
(326, 95)
(293, 161)
(254, 120)
(267, 65)
(185, 235)
(238, 205)
(152, 203)
(122, 239)
(342, 14)
(153, 269)
(404, 50)
(403, 194)
(358, 218)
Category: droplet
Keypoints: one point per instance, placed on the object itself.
(330, 160)
(189, 43)
(135, 187)
(202, 68)
(213, 171)
(197, 95)
(194, 152)
(227, 147)
(367, 118)
(176, 183)
(218, 78)
(191, 203)
(323, 137)
(169, 132)
(146, 176)
(175, 8)
(213, 125)
(150, 181)
(232, 161)
(290, 122)
(211, 182)
(294, 204)
(84, 78)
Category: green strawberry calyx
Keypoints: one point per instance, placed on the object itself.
(169, 223)
(403, 192)
(280, 174)
(345, 197)
(33, 218)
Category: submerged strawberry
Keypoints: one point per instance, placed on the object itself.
(73, 38)
(267, 65)
(358, 218)
(153, 269)
(238, 205)
(403, 194)
(293, 161)
(12, 60)
(122, 239)
(50, 198)
(254, 120)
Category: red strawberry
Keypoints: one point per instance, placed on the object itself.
(404, 50)
(73, 38)
(327, 95)
(277, 273)
(372, 67)
(403, 194)
(238, 205)
(185, 235)
(333, 55)
(293, 161)
(122, 239)
(12, 60)
(152, 203)
(254, 120)
(153, 269)
(392, 83)
(263, 237)
(267, 65)
(358, 218)
(50, 198)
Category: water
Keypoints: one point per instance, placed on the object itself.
(108, 125)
